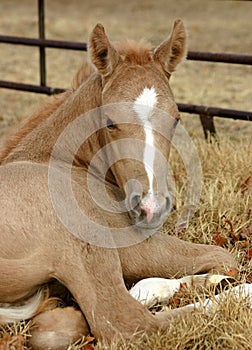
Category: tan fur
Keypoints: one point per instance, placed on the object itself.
(55, 329)
(37, 247)
(83, 74)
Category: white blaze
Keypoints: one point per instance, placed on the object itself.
(143, 106)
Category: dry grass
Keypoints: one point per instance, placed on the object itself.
(14, 336)
(219, 331)
(213, 26)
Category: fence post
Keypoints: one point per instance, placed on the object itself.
(207, 123)
(42, 56)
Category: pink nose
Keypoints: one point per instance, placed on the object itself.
(149, 206)
(151, 210)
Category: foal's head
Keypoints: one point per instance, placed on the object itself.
(139, 118)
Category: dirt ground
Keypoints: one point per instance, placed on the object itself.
(214, 26)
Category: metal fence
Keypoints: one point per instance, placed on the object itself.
(206, 113)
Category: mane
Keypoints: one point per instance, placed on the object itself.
(133, 52)
(12, 139)
(82, 75)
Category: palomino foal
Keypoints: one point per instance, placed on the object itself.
(44, 239)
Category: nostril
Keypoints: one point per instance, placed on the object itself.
(168, 203)
(135, 202)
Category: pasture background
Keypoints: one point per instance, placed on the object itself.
(217, 26)
(223, 26)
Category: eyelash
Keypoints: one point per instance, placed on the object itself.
(110, 124)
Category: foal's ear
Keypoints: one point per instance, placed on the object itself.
(103, 55)
(173, 50)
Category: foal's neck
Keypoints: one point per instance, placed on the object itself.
(37, 146)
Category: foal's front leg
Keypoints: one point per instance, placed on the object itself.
(167, 256)
(94, 277)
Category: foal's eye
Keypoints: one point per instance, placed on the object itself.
(175, 123)
(110, 124)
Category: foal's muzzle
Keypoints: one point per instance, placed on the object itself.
(149, 211)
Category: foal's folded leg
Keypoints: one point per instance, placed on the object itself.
(93, 275)
(167, 256)
(56, 329)
(95, 279)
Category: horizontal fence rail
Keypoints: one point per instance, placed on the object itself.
(183, 107)
(219, 57)
(79, 46)
(215, 111)
(47, 90)
(56, 44)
